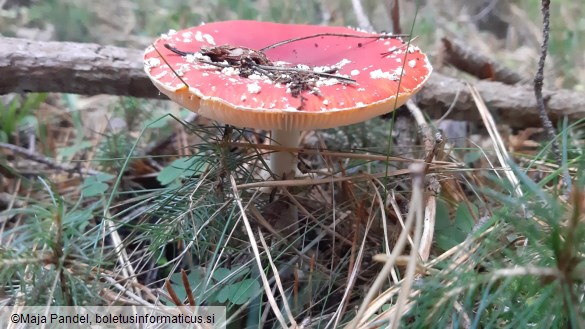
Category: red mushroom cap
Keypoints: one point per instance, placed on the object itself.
(386, 71)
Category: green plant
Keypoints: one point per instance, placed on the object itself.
(17, 112)
(513, 267)
(72, 22)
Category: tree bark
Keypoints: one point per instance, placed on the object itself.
(68, 67)
(90, 69)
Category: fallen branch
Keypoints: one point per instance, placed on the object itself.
(68, 67)
(90, 69)
(468, 60)
(52, 164)
(513, 105)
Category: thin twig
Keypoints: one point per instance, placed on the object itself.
(169, 65)
(344, 35)
(538, 83)
(297, 70)
(347, 155)
(263, 68)
(450, 108)
(36, 157)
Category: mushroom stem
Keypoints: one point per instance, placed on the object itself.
(283, 163)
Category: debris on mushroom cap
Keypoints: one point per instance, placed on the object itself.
(219, 70)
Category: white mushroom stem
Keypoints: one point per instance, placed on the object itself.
(283, 163)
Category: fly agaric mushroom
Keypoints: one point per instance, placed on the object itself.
(285, 78)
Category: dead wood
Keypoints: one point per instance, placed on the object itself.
(512, 105)
(471, 61)
(68, 67)
(90, 69)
